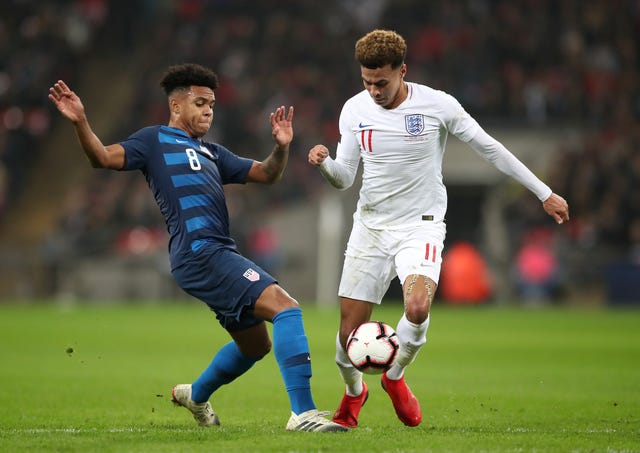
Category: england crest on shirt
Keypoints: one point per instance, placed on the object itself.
(414, 124)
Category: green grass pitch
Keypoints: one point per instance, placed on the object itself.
(98, 378)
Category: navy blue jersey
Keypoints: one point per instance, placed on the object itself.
(186, 176)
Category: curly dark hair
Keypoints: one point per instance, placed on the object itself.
(187, 75)
(379, 48)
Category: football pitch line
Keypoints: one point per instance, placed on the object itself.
(520, 430)
(526, 431)
(78, 430)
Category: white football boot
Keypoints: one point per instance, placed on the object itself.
(202, 412)
(313, 420)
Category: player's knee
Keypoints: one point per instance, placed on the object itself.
(272, 301)
(417, 311)
(283, 299)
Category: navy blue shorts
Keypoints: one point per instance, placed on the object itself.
(228, 283)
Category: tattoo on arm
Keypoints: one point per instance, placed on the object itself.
(276, 162)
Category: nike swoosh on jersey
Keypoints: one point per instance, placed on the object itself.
(181, 141)
(362, 126)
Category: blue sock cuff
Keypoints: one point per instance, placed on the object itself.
(294, 311)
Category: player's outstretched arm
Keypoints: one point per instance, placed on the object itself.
(556, 207)
(71, 107)
(272, 168)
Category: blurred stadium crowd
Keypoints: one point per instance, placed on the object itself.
(537, 63)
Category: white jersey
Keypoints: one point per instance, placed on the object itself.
(402, 151)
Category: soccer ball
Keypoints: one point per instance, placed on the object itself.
(372, 347)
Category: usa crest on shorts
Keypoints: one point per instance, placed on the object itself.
(414, 124)
(251, 275)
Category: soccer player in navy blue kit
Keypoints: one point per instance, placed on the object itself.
(186, 176)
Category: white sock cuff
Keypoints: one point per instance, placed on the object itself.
(411, 332)
(341, 354)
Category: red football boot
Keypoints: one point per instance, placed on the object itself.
(349, 409)
(404, 402)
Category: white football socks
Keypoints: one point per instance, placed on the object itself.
(411, 337)
(350, 375)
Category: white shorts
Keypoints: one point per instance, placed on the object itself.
(375, 257)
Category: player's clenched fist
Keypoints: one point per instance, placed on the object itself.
(318, 154)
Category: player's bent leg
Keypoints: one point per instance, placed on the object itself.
(228, 364)
(202, 412)
(291, 349)
(405, 404)
(411, 331)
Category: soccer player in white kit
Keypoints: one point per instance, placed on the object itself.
(399, 130)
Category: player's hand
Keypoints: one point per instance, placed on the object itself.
(66, 101)
(556, 207)
(282, 126)
(318, 154)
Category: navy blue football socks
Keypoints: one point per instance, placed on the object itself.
(228, 364)
(291, 348)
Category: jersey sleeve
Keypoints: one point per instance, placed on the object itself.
(500, 157)
(457, 121)
(341, 172)
(348, 147)
(233, 168)
(137, 149)
(467, 129)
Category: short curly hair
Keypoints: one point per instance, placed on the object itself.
(187, 75)
(379, 48)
